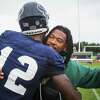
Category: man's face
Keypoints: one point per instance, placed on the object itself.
(57, 40)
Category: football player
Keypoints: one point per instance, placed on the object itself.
(26, 61)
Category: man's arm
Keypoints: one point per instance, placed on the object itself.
(64, 85)
(83, 76)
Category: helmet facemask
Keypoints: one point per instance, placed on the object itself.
(33, 25)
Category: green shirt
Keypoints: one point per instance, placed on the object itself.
(82, 76)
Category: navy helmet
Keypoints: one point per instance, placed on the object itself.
(33, 18)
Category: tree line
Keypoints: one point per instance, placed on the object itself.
(95, 50)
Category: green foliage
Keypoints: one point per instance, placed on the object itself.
(83, 43)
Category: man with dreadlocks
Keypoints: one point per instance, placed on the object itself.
(22, 62)
(60, 39)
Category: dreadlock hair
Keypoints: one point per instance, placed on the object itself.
(69, 41)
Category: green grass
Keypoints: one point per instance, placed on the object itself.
(88, 94)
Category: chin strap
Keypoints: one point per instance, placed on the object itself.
(34, 32)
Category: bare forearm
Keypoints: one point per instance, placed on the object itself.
(64, 85)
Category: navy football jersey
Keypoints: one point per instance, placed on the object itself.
(24, 63)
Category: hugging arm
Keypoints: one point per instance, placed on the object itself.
(64, 85)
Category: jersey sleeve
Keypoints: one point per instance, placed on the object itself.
(55, 64)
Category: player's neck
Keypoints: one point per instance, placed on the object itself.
(37, 37)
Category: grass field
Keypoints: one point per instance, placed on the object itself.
(91, 94)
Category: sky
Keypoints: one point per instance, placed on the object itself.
(82, 17)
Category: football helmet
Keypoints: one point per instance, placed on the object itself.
(33, 18)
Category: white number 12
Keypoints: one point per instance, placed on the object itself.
(15, 73)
